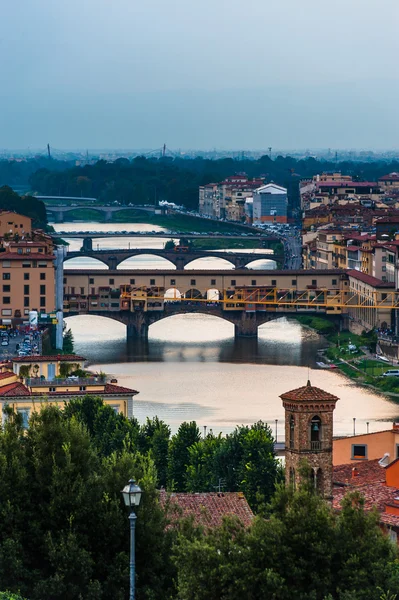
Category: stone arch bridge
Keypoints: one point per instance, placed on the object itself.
(113, 258)
(59, 212)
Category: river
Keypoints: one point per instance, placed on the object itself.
(192, 368)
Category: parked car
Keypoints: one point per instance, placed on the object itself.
(4, 343)
(391, 373)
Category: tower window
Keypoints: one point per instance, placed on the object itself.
(292, 431)
(315, 433)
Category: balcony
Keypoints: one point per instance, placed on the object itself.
(316, 446)
(67, 381)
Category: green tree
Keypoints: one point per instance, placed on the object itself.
(170, 245)
(67, 344)
(154, 438)
(179, 455)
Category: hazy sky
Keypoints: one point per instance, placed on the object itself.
(199, 73)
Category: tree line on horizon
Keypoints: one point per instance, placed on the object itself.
(64, 531)
(147, 180)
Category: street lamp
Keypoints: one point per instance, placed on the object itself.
(132, 495)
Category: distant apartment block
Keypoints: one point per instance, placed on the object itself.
(270, 203)
(227, 199)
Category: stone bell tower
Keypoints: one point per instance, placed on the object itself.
(308, 435)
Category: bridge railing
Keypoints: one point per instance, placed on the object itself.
(67, 381)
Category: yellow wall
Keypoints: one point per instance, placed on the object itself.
(43, 366)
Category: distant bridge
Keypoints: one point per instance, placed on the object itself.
(113, 258)
(59, 211)
(86, 235)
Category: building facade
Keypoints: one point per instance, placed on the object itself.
(270, 204)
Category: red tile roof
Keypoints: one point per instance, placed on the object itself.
(368, 471)
(14, 389)
(55, 358)
(208, 509)
(6, 375)
(308, 393)
(375, 494)
(110, 388)
(30, 256)
(369, 279)
(390, 177)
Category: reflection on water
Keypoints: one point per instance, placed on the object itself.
(192, 368)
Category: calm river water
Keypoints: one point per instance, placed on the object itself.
(192, 368)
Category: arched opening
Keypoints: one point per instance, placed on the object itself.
(172, 295)
(210, 262)
(316, 479)
(99, 338)
(84, 262)
(292, 431)
(193, 294)
(292, 476)
(189, 336)
(315, 433)
(146, 261)
(262, 263)
(213, 295)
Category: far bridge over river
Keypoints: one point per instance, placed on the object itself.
(113, 258)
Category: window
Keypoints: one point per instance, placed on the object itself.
(293, 282)
(6, 263)
(152, 281)
(315, 433)
(28, 251)
(314, 281)
(111, 281)
(82, 388)
(26, 290)
(41, 264)
(19, 251)
(173, 282)
(42, 300)
(6, 288)
(24, 412)
(334, 282)
(26, 311)
(397, 450)
(91, 280)
(26, 276)
(72, 290)
(6, 312)
(384, 268)
(274, 282)
(233, 282)
(253, 282)
(213, 281)
(42, 276)
(26, 265)
(6, 276)
(359, 451)
(82, 291)
(193, 282)
(132, 281)
(43, 290)
(26, 301)
(64, 280)
(292, 431)
(6, 300)
(52, 389)
(384, 297)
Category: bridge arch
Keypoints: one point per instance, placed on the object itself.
(203, 263)
(261, 263)
(172, 295)
(89, 262)
(193, 294)
(140, 261)
(213, 295)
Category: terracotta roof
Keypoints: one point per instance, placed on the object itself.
(110, 388)
(30, 256)
(369, 279)
(391, 176)
(208, 509)
(375, 494)
(14, 389)
(368, 471)
(308, 393)
(55, 358)
(6, 375)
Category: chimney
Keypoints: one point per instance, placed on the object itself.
(395, 426)
(355, 472)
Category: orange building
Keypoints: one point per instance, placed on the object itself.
(369, 446)
(11, 224)
(27, 277)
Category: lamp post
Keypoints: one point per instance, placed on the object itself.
(132, 495)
